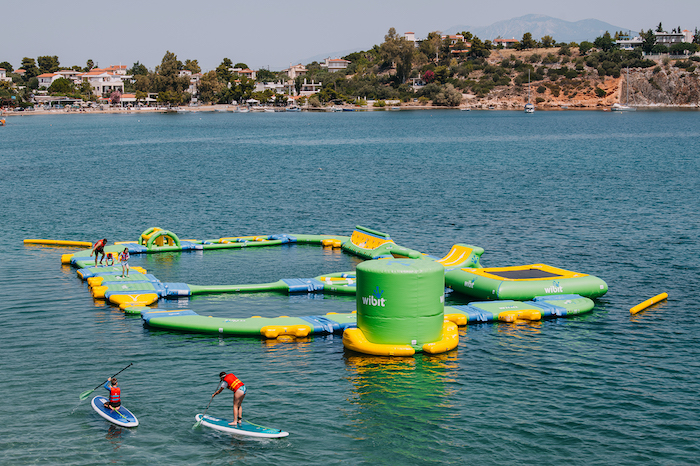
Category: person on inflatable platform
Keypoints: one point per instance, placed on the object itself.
(99, 248)
(124, 259)
(232, 382)
(115, 400)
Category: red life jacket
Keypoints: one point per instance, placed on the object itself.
(233, 382)
(100, 244)
(114, 395)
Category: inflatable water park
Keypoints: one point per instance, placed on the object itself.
(399, 292)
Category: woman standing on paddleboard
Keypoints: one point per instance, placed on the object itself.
(232, 382)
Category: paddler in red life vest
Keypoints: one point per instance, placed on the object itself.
(232, 382)
(115, 392)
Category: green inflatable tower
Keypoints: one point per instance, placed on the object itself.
(400, 305)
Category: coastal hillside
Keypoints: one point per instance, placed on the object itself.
(581, 83)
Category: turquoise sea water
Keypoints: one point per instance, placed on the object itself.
(616, 196)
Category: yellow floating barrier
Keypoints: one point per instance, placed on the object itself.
(449, 341)
(274, 331)
(641, 306)
(354, 339)
(58, 242)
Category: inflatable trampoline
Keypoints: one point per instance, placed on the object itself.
(523, 282)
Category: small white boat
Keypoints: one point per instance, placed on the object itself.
(617, 107)
(529, 106)
(269, 110)
(293, 109)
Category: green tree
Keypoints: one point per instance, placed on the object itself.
(660, 27)
(547, 42)
(585, 46)
(169, 66)
(193, 66)
(223, 71)
(527, 42)
(61, 86)
(7, 66)
(242, 66)
(648, 40)
(138, 70)
(430, 45)
(209, 87)
(479, 49)
(85, 90)
(604, 42)
(448, 96)
(48, 64)
(30, 68)
(140, 95)
(89, 65)
(265, 76)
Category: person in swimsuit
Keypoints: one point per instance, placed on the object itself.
(232, 382)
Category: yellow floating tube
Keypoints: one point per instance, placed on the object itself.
(449, 341)
(459, 319)
(274, 331)
(98, 292)
(126, 300)
(521, 314)
(95, 281)
(66, 258)
(641, 306)
(57, 242)
(354, 339)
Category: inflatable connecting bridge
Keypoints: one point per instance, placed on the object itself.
(186, 320)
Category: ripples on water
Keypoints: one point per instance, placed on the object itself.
(611, 195)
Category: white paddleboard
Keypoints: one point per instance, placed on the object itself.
(244, 428)
(121, 417)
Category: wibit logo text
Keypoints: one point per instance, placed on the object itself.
(375, 299)
(555, 288)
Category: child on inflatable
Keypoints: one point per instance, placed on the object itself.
(124, 259)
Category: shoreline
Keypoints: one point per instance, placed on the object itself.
(221, 108)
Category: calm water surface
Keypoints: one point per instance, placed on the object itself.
(616, 196)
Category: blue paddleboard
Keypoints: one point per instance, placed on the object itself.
(121, 417)
(244, 428)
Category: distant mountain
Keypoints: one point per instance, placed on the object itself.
(540, 26)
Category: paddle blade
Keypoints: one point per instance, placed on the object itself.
(85, 394)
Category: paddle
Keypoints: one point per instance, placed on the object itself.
(196, 424)
(88, 392)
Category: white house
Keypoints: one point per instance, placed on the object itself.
(294, 71)
(278, 88)
(506, 43)
(248, 73)
(3, 75)
(46, 79)
(669, 38)
(194, 80)
(104, 82)
(310, 88)
(335, 64)
(630, 44)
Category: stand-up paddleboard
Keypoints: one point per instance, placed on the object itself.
(121, 417)
(244, 428)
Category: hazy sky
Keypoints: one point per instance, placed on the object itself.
(274, 33)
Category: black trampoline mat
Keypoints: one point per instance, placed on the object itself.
(523, 274)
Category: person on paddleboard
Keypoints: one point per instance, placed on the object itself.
(234, 384)
(115, 393)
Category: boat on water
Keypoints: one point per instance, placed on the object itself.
(618, 107)
(293, 108)
(529, 106)
(269, 110)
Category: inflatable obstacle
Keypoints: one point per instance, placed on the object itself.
(399, 296)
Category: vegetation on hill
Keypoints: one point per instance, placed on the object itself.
(439, 71)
